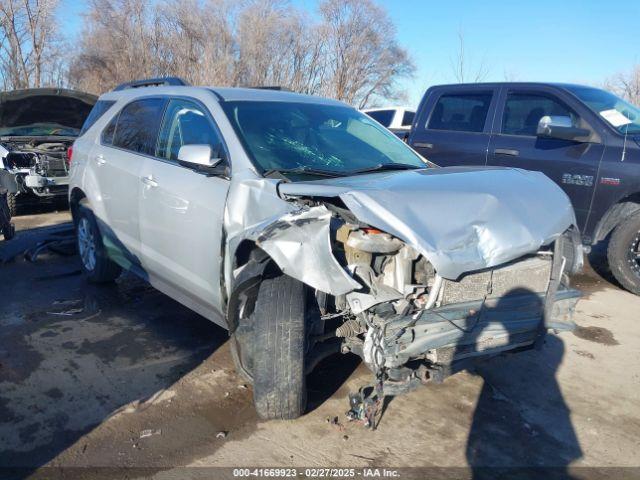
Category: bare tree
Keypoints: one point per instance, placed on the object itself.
(350, 53)
(626, 84)
(464, 68)
(363, 57)
(27, 42)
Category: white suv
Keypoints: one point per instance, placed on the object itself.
(306, 229)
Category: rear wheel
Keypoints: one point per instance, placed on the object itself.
(277, 350)
(96, 264)
(624, 253)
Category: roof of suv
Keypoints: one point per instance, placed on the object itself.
(224, 94)
(512, 84)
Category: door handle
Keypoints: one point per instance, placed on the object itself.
(149, 181)
(506, 151)
(100, 160)
(423, 145)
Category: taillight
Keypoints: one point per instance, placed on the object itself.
(69, 155)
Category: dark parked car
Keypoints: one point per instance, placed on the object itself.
(585, 139)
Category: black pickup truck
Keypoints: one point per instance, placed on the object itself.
(585, 139)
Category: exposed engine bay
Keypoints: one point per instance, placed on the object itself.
(37, 165)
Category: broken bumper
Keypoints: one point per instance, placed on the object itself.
(46, 186)
(447, 334)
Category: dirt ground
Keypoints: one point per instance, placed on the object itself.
(123, 376)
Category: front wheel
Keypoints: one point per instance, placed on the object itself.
(279, 332)
(624, 253)
(96, 264)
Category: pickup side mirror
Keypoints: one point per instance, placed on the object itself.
(561, 127)
(201, 158)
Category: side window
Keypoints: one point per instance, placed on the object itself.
(383, 117)
(97, 111)
(465, 112)
(109, 130)
(523, 111)
(138, 125)
(185, 123)
(407, 118)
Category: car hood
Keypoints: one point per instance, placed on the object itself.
(37, 106)
(461, 219)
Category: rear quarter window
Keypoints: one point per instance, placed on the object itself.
(97, 111)
(464, 112)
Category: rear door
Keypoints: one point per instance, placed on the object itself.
(117, 161)
(454, 125)
(572, 165)
(181, 211)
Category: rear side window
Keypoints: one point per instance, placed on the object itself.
(109, 130)
(523, 111)
(407, 118)
(465, 112)
(97, 111)
(383, 117)
(138, 125)
(185, 123)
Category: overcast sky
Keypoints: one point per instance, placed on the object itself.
(536, 40)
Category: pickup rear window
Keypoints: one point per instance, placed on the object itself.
(463, 112)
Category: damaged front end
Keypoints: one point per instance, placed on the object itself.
(37, 127)
(412, 312)
(38, 166)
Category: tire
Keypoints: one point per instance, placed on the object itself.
(279, 383)
(12, 202)
(96, 265)
(623, 253)
(6, 228)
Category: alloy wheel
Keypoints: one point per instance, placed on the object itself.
(86, 244)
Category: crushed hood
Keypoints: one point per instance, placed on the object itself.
(461, 219)
(36, 106)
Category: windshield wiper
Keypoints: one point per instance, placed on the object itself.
(309, 170)
(386, 166)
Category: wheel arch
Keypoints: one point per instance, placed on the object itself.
(616, 213)
(75, 197)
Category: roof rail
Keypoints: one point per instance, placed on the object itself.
(152, 82)
(272, 87)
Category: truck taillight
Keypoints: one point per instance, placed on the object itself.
(69, 155)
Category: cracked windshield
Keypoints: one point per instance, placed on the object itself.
(317, 139)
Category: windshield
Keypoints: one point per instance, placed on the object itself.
(621, 115)
(325, 138)
(39, 130)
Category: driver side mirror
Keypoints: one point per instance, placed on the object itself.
(561, 127)
(202, 158)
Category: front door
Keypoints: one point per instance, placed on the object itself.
(181, 211)
(454, 128)
(572, 165)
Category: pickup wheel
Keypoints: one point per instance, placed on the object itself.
(279, 380)
(624, 253)
(96, 264)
